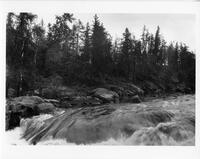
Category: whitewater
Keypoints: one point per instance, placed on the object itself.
(163, 121)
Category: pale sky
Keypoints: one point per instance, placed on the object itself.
(174, 27)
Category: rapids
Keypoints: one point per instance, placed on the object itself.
(164, 121)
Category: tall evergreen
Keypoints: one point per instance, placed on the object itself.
(87, 44)
(100, 47)
(127, 50)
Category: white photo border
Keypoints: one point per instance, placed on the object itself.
(100, 152)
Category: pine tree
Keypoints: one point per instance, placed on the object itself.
(100, 47)
(157, 55)
(60, 31)
(24, 50)
(87, 45)
(127, 50)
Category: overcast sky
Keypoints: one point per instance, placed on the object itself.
(174, 27)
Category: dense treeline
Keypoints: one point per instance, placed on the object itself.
(87, 55)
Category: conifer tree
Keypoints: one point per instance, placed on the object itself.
(100, 47)
(127, 49)
(86, 56)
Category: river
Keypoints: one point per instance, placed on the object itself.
(162, 121)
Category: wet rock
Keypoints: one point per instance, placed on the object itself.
(105, 95)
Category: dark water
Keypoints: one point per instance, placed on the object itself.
(169, 121)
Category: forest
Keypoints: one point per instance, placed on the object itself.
(67, 53)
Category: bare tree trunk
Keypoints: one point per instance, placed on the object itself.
(77, 44)
(21, 80)
(35, 56)
(21, 70)
(134, 71)
(35, 65)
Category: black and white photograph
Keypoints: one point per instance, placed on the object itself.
(95, 78)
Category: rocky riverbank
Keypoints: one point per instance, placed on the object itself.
(51, 100)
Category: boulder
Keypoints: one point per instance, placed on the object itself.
(105, 95)
(45, 108)
(17, 103)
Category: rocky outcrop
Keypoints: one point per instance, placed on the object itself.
(93, 124)
(152, 123)
(24, 107)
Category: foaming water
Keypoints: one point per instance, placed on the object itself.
(160, 122)
(13, 137)
(142, 137)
